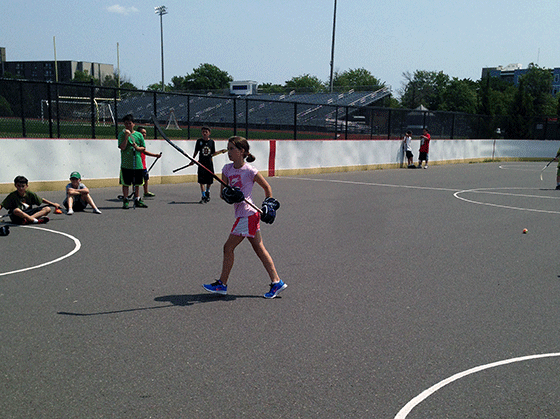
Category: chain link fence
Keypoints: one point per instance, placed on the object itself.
(31, 109)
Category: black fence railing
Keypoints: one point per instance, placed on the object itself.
(31, 109)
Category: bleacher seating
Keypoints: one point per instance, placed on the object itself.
(313, 109)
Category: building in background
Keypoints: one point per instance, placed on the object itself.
(45, 70)
(512, 72)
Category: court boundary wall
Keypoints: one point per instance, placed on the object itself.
(47, 163)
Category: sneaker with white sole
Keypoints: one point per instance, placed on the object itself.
(216, 287)
(138, 203)
(275, 288)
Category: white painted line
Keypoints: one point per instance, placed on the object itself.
(521, 167)
(377, 184)
(489, 192)
(77, 247)
(456, 195)
(403, 413)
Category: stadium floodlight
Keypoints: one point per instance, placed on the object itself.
(332, 48)
(161, 10)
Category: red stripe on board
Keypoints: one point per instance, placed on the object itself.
(272, 159)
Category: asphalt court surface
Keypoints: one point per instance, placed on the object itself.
(411, 294)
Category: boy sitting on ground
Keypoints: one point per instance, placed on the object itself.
(77, 196)
(20, 202)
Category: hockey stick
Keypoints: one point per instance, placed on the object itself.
(180, 150)
(548, 164)
(217, 153)
(155, 161)
(182, 167)
(122, 196)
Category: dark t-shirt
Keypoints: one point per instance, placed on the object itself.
(205, 150)
(14, 200)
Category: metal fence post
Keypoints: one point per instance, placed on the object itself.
(49, 109)
(115, 101)
(295, 120)
(23, 131)
(92, 108)
(388, 125)
(57, 111)
(246, 118)
(188, 117)
(452, 125)
(234, 116)
(346, 123)
(336, 122)
(155, 112)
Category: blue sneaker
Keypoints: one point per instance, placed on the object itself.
(216, 287)
(275, 288)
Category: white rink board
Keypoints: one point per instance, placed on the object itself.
(45, 160)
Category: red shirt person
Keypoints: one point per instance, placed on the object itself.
(424, 148)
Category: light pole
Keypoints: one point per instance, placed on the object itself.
(161, 10)
(332, 47)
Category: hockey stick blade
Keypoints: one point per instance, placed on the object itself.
(548, 164)
(155, 161)
(217, 153)
(182, 167)
(180, 150)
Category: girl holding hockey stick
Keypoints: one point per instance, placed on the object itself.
(240, 174)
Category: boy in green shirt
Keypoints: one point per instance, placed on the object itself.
(20, 203)
(131, 144)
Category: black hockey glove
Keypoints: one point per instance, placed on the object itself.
(268, 214)
(232, 195)
(271, 202)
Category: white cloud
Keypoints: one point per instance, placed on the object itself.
(117, 8)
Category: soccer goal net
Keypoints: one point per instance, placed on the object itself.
(172, 120)
(79, 110)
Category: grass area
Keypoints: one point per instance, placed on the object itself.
(12, 128)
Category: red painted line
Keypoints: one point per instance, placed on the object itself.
(272, 158)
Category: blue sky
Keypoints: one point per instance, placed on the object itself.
(273, 41)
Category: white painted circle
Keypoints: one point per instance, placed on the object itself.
(77, 247)
(497, 191)
(403, 413)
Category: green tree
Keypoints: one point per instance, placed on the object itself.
(112, 81)
(537, 83)
(207, 77)
(460, 96)
(271, 88)
(177, 83)
(157, 86)
(495, 96)
(424, 88)
(358, 79)
(84, 77)
(522, 113)
(305, 83)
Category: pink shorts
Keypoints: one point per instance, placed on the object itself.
(247, 226)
